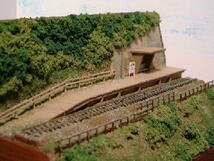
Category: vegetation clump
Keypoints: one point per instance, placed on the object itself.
(167, 134)
(37, 52)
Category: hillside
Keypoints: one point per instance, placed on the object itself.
(35, 53)
(173, 132)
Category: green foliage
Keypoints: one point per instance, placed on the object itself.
(164, 135)
(99, 144)
(190, 106)
(99, 49)
(11, 86)
(159, 130)
(131, 131)
(210, 136)
(79, 154)
(36, 48)
(181, 152)
(190, 131)
(210, 93)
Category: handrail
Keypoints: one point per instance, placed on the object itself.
(143, 108)
(58, 87)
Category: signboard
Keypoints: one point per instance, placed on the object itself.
(132, 68)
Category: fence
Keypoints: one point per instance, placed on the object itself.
(52, 92)
(195, 90)
(144, 107)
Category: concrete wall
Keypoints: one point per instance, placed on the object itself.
(121, 58)
(8, 9)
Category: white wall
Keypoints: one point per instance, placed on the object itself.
(8, 9)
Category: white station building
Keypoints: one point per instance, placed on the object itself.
(9, 9)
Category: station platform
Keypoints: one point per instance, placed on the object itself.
(66, 101)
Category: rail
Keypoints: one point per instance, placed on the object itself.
(48, 94)
(195, 90)
(113, 94)
(144, 107)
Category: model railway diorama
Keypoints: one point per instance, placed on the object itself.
(137, 81)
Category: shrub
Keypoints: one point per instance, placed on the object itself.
(210, 136)
(210, 93)
(159, 130)
(35, 48)
(77, 154)
(181, 152)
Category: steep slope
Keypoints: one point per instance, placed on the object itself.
(37, 52)
(173, 132)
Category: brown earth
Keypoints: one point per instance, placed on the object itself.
(67, 100)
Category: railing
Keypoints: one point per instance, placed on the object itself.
(195, 90)
(144, 107)
(52, 92)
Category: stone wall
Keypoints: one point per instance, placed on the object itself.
(122, 57)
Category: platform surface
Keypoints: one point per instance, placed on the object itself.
(67, 100)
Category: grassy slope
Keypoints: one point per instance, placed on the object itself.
(172, 133)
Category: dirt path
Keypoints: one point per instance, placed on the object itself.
(67, 100)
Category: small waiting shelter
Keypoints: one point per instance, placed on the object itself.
(144, 57)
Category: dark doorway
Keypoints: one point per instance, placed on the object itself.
(146, 63)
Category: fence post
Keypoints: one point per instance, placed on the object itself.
(163, 99)
(147, 104)
(152, 105)
(78, 141)
(127, 120)
(173, 96)
(96, 133)
(112, 125)
(158, 100)
(169, 98)
(120, 124)
(105, 128)
(69, 141)
(87, 135)
(134, 117)
(59, 149)
(49, 97)
(34, 105)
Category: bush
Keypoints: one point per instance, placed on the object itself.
(181, 152)
(210, 136)
(35, 48)
(77, 154)
(190, 131)
(210, 93)
(159, 130)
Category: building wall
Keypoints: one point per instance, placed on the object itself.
(8, 9)
(121, 58)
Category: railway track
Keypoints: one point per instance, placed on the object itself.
(34, 133)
